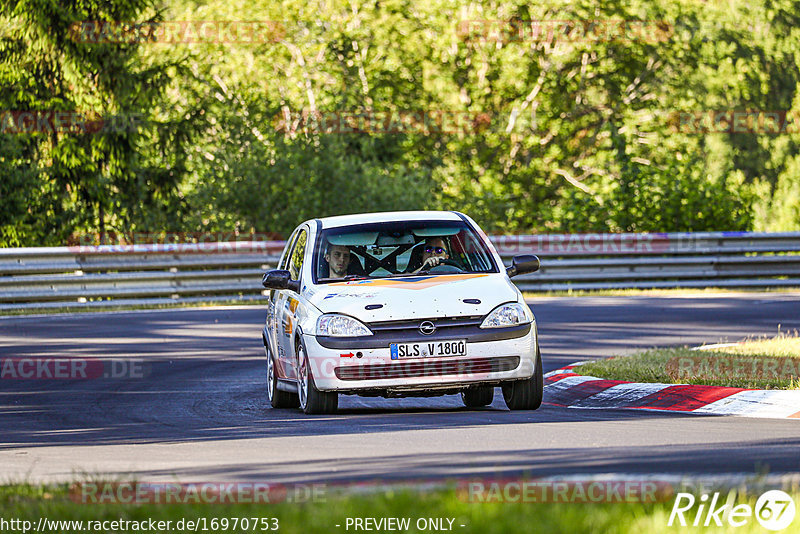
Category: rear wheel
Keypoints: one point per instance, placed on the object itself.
(277, 398)
(477, 396)
(526, 394)
(312, 400)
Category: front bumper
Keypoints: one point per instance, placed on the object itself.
(359, 366)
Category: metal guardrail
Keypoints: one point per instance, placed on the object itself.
(155, 273)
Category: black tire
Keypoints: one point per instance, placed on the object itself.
(276, 397)
(312, 400)
(526, 394)
(477, 396)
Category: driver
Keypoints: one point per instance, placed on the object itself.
(433, 253)
(338, 258)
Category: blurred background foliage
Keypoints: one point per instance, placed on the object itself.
(551, 134)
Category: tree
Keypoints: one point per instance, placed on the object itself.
(121, 171)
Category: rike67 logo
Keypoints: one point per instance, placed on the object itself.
(774, 510)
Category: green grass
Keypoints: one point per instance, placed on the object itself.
(30, 502)
(765, 363)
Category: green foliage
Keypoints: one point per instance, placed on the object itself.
(555, 133)
(779, 210)
(121, 176)
(330, 176)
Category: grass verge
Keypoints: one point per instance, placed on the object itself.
(765, 363)
(30, 503)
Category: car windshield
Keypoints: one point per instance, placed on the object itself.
(402, 248)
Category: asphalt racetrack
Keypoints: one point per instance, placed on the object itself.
(200, 413)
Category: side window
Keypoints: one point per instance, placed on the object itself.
(297, 255)
(285, 254)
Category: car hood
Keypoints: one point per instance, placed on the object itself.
(414, 297)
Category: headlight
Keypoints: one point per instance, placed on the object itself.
(341, 326)
(510, 314)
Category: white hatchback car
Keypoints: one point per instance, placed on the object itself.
(398, 304)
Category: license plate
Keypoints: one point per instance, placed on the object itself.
(433, 349)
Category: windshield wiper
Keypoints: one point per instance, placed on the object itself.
(354, 277)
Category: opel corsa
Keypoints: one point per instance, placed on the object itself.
(398, 304)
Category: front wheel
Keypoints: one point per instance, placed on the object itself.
(277, 398)
(312, 400)
(526, 394)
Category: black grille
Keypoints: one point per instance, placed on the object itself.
(417, 368)
(413, 324)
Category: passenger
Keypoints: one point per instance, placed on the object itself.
(338, 258)
(434, 252)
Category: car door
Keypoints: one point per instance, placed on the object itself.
(276, 302)
(287, 303)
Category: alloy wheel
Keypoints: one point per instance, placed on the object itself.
(302, 371)
(270, 377)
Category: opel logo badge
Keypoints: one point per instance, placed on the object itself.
(427, 328)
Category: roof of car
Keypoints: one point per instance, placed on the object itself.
(362, 218)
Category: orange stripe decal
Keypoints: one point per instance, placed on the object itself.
(415, 282)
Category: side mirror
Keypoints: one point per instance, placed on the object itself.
(279, 279)
(524, 263)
